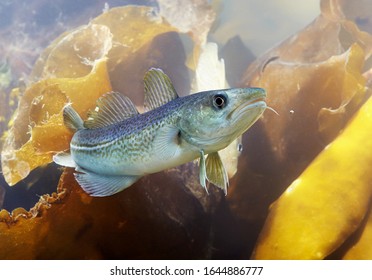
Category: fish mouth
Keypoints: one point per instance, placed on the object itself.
(242, 109)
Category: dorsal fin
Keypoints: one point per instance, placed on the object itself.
(112, 107)
(71, 118)
(159, 89)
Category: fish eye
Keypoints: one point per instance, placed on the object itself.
(219, 101)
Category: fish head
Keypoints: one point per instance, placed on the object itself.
(213, 119)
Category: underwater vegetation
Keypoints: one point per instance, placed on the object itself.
(299, 188)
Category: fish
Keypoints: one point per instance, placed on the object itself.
(116, 145)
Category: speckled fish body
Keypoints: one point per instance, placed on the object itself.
(129, 146)
(116, 145)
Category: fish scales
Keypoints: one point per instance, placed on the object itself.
(131, 137)
(116, 145)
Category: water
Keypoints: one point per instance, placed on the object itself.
(316, 81)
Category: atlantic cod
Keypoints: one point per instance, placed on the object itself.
(116, 145)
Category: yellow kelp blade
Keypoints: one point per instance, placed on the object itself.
(362, 249)
(38, 128)
(76, 68)
(321, 208)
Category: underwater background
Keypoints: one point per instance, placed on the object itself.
(300, 181)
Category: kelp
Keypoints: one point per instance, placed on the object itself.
(317, 159)
(112, 52)
(327, 202)
(69, 224)
(38, 129)
(196, 17)
(318, 81)
(88, 62)
(73, 69)
(361, 248)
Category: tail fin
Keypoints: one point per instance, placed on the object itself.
(72, 119)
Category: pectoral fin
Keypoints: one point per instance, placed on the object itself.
(166, 142)
(103, 185)
(202, 171)
(216, 173)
